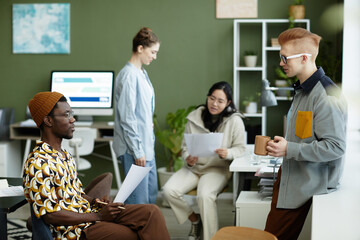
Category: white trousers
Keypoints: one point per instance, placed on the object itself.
(209, 185)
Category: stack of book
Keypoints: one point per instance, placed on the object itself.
(266, 187)
(267, 175)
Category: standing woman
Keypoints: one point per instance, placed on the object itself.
(209, 174)
(134, 108)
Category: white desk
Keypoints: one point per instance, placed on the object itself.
(243, 169)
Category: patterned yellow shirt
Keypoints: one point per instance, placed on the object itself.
(51, 184)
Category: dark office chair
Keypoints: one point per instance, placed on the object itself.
(40, 230)
(98, 188)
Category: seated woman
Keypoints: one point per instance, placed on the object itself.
(209, 174)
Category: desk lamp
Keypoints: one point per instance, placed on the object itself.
(267, 98)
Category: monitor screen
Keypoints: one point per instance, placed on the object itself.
(89, 93)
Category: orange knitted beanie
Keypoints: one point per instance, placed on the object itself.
(42, 104)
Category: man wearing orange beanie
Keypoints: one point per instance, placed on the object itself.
(55, 193)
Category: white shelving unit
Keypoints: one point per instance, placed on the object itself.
(265, 48)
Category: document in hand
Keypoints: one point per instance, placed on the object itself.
(135, 175)
(203, 145)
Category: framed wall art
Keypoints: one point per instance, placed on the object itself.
(41, 28)
(236, 8)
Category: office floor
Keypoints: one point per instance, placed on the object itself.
(226, 209)
(177, 231)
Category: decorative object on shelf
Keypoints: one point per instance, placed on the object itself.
(41, 28)
(281, 83)
(250, 103)
(275, 42)
(250, 58)
(251, 107)
(236, 8)
(297, 9)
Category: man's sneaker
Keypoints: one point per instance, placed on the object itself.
(195, 231)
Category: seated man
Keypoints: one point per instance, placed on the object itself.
(55, 193)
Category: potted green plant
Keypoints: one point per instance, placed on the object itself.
(250, 103)
(171, 138)
(250, 58)
(297, 10)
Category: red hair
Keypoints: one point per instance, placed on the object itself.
(302, 40)
(298, 34)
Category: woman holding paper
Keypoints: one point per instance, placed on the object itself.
(134, 109)
(208, 174)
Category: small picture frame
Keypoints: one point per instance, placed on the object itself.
(236, 8)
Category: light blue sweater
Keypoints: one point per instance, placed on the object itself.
(134, 109)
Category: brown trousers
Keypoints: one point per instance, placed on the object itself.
(285, 224)
(140, 221)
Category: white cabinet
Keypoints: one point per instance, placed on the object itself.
(253, 28)
(10, 159)
(252, 211)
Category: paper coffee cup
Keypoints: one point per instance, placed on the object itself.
(260, 145)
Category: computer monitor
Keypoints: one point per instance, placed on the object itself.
(89, 93)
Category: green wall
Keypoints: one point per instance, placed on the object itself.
(196, 48)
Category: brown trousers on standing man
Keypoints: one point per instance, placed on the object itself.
(285, 224)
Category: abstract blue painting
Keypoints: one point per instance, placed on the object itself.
(41, 28)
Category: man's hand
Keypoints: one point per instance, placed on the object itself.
(222, 152)
(140, 161)
(110, 212)
(105, 199)
(277, 147)
(191, 161)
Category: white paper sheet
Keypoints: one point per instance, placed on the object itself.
(203, 145)
(3, 183)
(12, 191)
(135, 175)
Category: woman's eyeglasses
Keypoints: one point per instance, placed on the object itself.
(284, 59)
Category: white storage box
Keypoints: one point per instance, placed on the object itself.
(251, 211)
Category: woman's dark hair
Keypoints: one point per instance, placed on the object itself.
(145, 37)
(206, 115)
